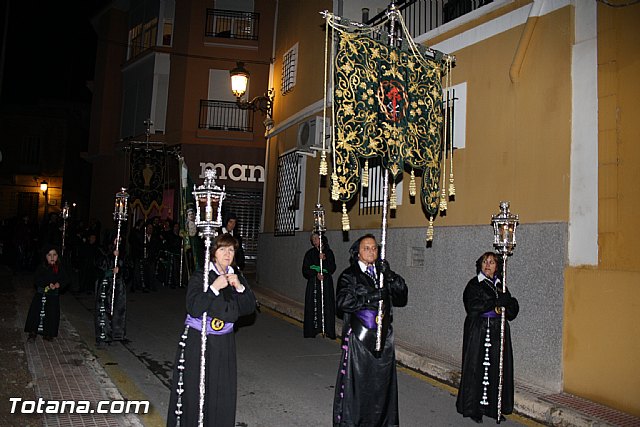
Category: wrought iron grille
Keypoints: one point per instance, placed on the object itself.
(224, 115)
(232, 24)
(370, 200)
(247, 205)
(422, 16)
(287, 194)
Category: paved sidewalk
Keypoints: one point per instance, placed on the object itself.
(65, 369)
(551, 409)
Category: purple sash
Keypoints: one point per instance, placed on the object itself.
(368, 318)
(491, 313)
(222, 328)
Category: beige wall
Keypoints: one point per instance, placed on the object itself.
(602, 305)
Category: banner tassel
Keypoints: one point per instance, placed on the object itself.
(393, 199)
(365, 174)
(430, 230)
(335, 193)
(412, 184)
(345, 218)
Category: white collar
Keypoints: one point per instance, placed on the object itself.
(212, 266)
(363, 266)
(482, 277)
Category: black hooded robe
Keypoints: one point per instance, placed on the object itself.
(220, 364)
(312, 301)
(479, 297)
(43, 317)
(366, 387)
(110, 327)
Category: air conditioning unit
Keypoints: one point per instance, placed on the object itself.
(310, 134)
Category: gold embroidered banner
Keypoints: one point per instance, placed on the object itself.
(388, 104)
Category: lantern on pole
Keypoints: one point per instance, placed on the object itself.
(319, 227)
(504, 242)
(208, 220)
(65, 217)
(120, 214)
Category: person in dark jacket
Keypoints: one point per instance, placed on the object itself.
(319, 305)
(483, 299)
(231, 227)
(50, 279)
(224, 300)
(366, 388)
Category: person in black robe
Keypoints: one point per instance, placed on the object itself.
(110, 326)
(319, 303)
(483, 297)
(366, 388)
(231, 227)
(227, 297)
(50, 279)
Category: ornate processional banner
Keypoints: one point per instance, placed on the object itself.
(388, 104)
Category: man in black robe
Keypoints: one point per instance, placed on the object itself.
(319, 304)
(366, 388)
(483, 299)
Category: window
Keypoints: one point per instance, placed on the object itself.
(30, 152)
(370, 199)
(289, 197)
(289, 67)
(455, 99)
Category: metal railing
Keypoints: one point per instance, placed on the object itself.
(224, 115)
(232, 24)
(421, 16)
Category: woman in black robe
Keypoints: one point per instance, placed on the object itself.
(110, 326)
(483, 297)
(366, 389)
(43, 317)
(227, 297)
(314, 298)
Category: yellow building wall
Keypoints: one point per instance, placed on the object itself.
(602, 304)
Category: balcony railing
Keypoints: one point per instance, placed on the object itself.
(224, 115)
(422, 16)
(232, 24)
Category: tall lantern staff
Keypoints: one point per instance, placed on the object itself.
(65, 217)
(120, 215)
(504, 241)
(208, 197)
(320, 227)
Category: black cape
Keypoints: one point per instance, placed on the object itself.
(110, 327)
(46, 321)
(480, 297)
(221, 367)
(312, 301)
(361, 369)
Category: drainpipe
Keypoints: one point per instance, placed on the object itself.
(525, 39)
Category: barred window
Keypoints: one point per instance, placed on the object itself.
(291, 172)
(455, 100)
(289, 68)
(370, 199)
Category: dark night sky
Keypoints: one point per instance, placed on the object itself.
(50, 50)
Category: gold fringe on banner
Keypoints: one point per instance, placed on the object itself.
(443, 200)
(412, 184)
(452, 186)
(430, 230)
(365, 174)
(393, 199)
(345, 218)
(335, 193)
(324, 166)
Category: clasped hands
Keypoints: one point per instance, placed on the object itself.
(224, 280)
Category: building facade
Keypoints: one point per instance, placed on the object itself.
(545, 96)
(162, 85)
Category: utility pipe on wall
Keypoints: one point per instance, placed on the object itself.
(525, 39)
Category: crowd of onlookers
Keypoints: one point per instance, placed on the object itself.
(151, 249)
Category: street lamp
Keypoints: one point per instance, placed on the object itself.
(263, 103)
(44, 187)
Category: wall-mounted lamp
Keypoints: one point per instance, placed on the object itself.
(44, 186)
(263, 103)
